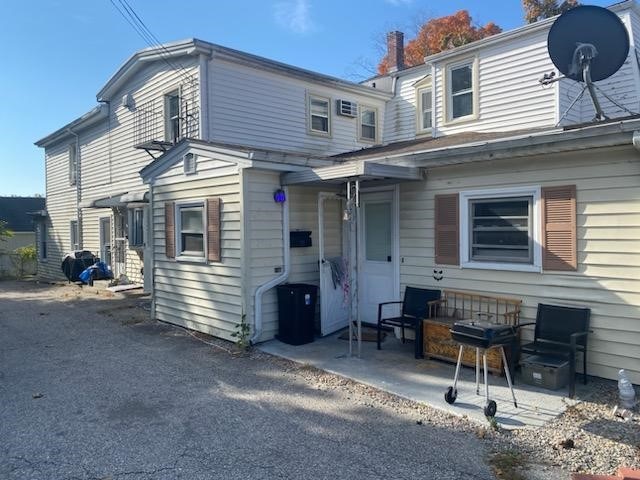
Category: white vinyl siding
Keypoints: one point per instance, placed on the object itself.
(73, 164)
(256, 108)
(109, 165)
(608, 232)
(206, 297)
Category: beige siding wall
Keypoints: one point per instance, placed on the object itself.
(264, 240)
(257, 108)
(607, 279)
(61, 206)
(109, 165)
(206, 297)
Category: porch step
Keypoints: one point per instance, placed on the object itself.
(623, 474)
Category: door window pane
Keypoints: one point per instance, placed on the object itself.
(378, 231)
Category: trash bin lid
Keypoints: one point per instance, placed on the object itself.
(546, 360)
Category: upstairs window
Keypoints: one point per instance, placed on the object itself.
(425, 109)
(319, 115)
(368, 124)
(172, 121)
(73, 164)
(460, 90)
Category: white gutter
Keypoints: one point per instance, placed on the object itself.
(204, 96)
(257, 304)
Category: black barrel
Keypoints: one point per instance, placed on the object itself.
(296, 313)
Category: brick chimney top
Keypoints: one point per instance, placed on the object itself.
(395, 50)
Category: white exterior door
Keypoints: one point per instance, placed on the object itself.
(378, 263)
(334, 299)
(105, 240)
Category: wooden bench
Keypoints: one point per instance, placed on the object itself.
(458, 305)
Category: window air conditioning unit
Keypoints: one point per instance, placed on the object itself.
(347, 108)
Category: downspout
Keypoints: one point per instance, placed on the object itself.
(78, 189)
(257, 304)
(204, 97)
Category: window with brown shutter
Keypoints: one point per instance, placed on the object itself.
(447, 238)
(559, 238)
(169, 230)
(213, 229)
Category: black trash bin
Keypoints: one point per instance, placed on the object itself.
(296, 313)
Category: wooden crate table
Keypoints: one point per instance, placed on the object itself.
(455, 306)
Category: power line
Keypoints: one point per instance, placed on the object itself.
(133, 19)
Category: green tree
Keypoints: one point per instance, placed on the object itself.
(23, 256)
(4, 231)
(535, 10)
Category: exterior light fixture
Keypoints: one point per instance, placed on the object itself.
(279, 196)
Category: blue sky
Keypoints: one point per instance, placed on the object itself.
(57, 54)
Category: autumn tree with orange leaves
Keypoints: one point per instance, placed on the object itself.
(440, 34)
(535, 10)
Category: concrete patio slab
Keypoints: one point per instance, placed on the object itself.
(395, 370)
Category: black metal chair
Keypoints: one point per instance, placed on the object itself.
(561, 331)
(414, 308)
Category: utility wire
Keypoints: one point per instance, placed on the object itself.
(134, 20)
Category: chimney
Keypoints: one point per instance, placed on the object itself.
(395, 50)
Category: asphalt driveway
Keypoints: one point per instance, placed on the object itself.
(90, 391)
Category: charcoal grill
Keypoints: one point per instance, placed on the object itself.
(482, 335)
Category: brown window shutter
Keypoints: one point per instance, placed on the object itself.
(170, 230)
(213, 229)
(447, 235)
(559, 239)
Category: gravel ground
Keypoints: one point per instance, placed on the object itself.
(601, 443)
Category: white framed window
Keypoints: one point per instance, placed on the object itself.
(319, 113)
(136, 227)
(368, 123)
(189, 163)
(461, 86)
(172, 121)
(74, 235)
(191, 231)
(500, 229)
(73, 164)
(425, 108)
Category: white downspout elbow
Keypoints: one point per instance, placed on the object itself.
(257, 304)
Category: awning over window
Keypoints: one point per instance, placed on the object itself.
(118, 200)
(363, 171)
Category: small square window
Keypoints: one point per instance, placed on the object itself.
(319, 115)
(368, 124)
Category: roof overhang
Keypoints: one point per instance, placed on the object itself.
(365, 171)
(118, 200)
(611, 134)
(242, 156)
(92, 117)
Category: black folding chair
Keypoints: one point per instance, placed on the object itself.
(561, 331)
(414, 308)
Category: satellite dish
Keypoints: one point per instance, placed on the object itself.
(588, 44)
(592, 31)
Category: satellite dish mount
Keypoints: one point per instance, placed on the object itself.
(587, 44)
(583, 55)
